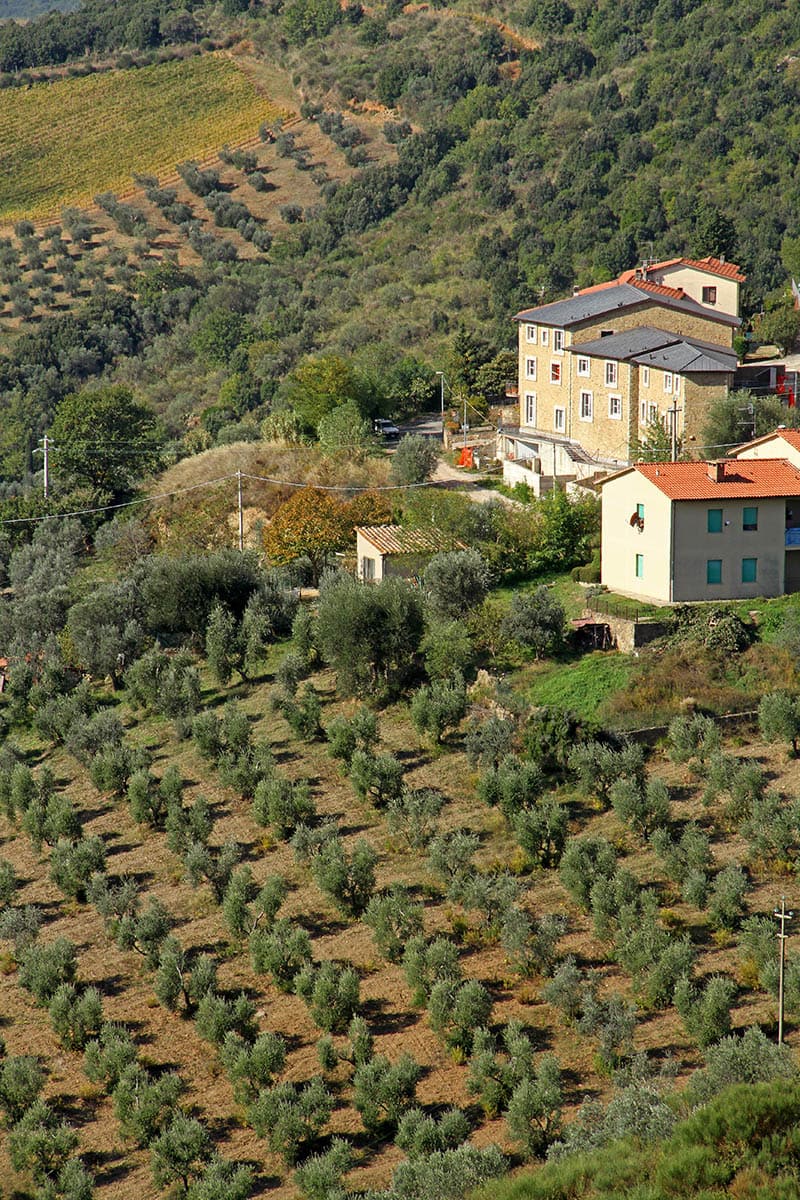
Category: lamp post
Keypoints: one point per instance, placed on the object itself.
(442, 383)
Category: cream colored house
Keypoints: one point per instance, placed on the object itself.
(383, 550)
(683, 531)
(783, 443)
(712, 282)
(579, 376)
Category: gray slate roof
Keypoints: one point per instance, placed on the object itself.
(652, 347)
(585, 306)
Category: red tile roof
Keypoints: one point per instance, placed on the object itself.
(714, 266)
(742, 478)
(792, 436)
(644, 285)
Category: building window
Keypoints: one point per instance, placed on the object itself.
(611, 374)
(709, 295)
(714, 570)
(530, 334)
(714, 521)
(530, 408)
(645, 377)
(606, 333)
(555, 372)
(584, 367)
(545, 336)
(615, 408)
(367, 569)
(558, 419)
(749, 519)
(676, 384)
(749, 570)
(530, 368)
(640, 566)
(643, 412)
(558, 341)
(668, 382)
(586, 406)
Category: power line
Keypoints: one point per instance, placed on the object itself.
(83, 512)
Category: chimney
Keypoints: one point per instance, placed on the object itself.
(716, 471)
(576, 290)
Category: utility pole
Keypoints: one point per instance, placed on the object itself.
(241, 511)
(442, 383)
(783, 916)
(673, 413)
(465, 420)
(46, 446)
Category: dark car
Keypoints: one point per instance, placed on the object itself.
(385, 429)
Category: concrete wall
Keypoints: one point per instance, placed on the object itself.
(694, 546)
(622, 542)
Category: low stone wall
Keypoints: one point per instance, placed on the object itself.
(630, 635)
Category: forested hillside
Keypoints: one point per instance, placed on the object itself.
(635, 130)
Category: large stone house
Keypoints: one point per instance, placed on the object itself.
(688, 531)
(595, 369)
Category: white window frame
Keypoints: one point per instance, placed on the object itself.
(559, 418)
(584, 368)
(558, 341)
(652, 412)
(615, 403)
(643, 413)
(586, 406)
(676, 385)
(530, 334)
(544, 336)
(530, 369)
(668, 382)
(611, 373)
(530, 408)
(645, 377)
(555, 373)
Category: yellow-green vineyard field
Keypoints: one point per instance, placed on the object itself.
(63, 143)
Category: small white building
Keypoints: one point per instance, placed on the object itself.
(383, 550)
(676, 532)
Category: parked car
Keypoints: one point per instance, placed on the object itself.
(385, 429)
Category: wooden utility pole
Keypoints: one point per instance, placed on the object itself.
(783, 916)
(44, 449)
(241, 510)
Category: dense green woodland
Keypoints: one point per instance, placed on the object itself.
(637, 129)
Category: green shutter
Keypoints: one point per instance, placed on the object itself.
(749, 570)
(714, 570)
(715, 520)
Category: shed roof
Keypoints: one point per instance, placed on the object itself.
(396, 539)
(757, 478)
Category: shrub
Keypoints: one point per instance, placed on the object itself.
(565, 991)
(612, 1020)
(488, 742)
(284, 804)
(222, 1180)
(536, 621)
(252, 1066)
(377, 777)
(180, 1151)
(751, 1058)
(456, 581)
(727, 901)
(530, 945)
(143, 1105)
(75, 1016)
(495, 1071)
(8, 881)
(438, 707)
(534, 1110)
(706, 1014)
(415, 459)
(72, 864)
(456, 1010)
(291, 1116)
(584, 861)
(447, 647)
(514, 786)
(43, 969)
(382, 1091)
(542, 832)
(20, 926)
(347, 880)
(642, 806)
(282, 952)
(450, 857)
(599, 766)
(394, 918)
(346, 735)
(421, 1135)
(320, 1176)
(412, 816)
(448, 1174)
(779, 718)
(427, 963)
(40, 1143)
(305, 716)
(332, 993)
(217, 1016)
(692, 739)
(107, 1056)
(21, 1082)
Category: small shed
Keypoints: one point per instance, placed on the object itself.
(384, 550)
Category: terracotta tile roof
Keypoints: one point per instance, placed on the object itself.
(644, 285)
(396, 539)
(792, 436)
(714, 266)
(756, 478)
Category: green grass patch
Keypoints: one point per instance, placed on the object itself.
(582, 686)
